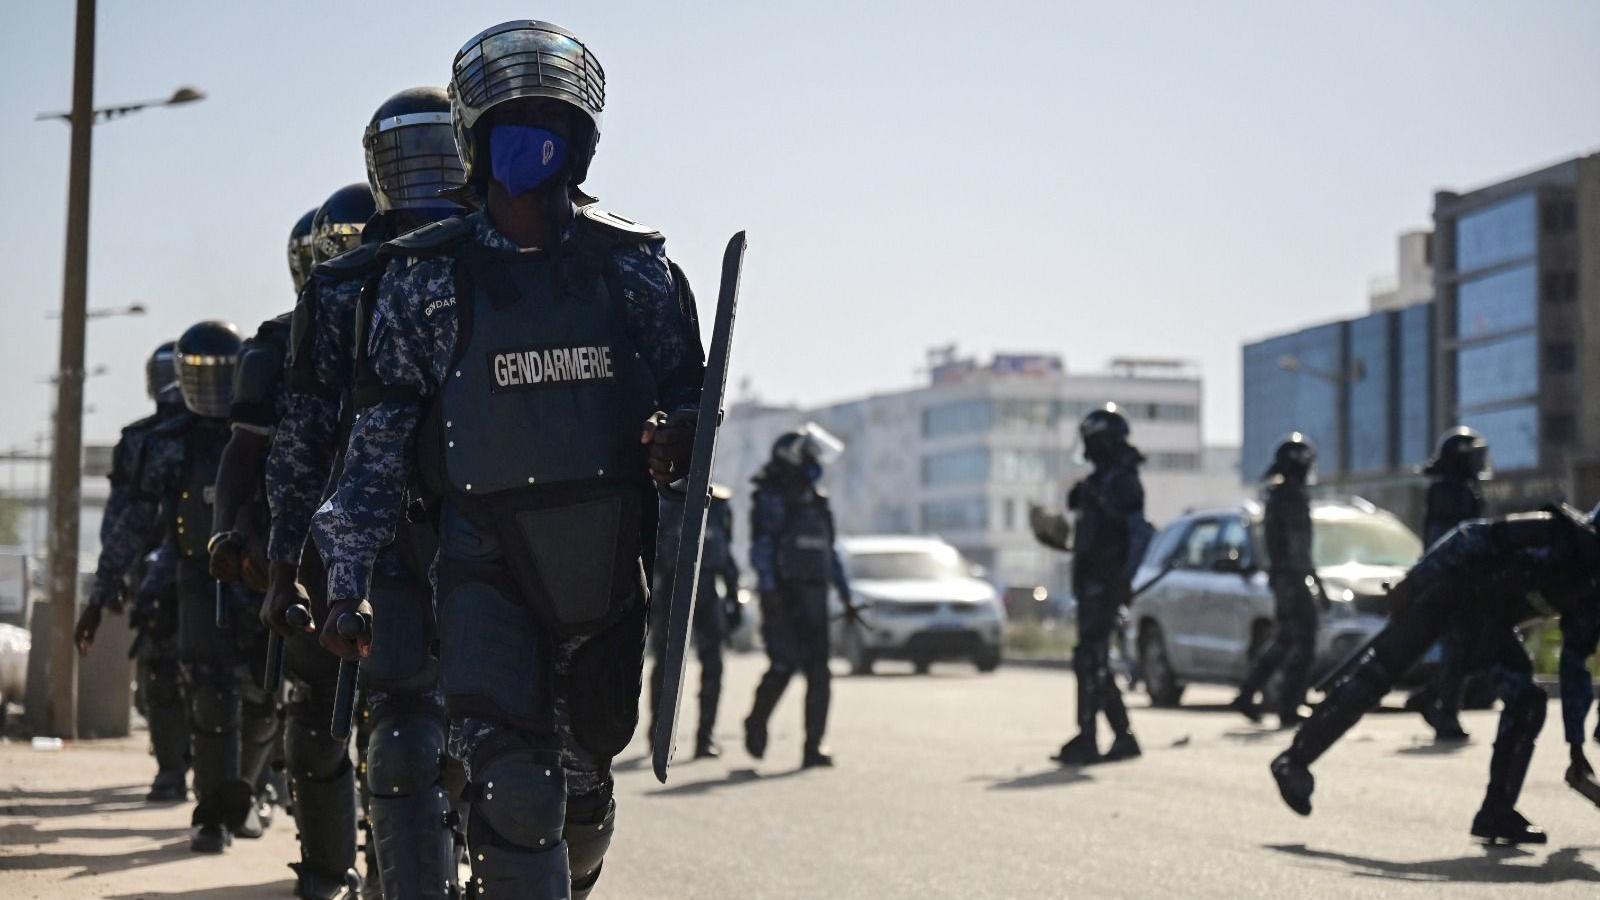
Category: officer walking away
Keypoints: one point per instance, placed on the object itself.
(543, 359)
(150, 583)
(411, 159)
(1291, 574)
(715, 614)
(1486, 577)
(1454, 497)
(792, 549)
(1111, 538)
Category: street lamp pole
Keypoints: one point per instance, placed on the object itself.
(65, 471)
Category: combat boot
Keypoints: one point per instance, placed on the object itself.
(706, 748)
(1123, 746)
(1080, 751)
(1506, 826)
(210, 839)
(816, 757)
(169, 787)
(1446, 726)
(1295, 783)
(755, 737)
(1246, 706)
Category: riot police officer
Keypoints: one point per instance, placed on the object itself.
(793, 552)
(1486, 576)
(320, 773)
(1291, 575)
(1111, 537)
(231, 719)
(1453, 497)
(714, 614)
(300, 254)
(411, 159)
(150, 582)
(572, 333)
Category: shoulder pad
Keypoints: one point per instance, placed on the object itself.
(432, 239)
(615, 228)
(273, 332)
(352, 263)
(176, 425)
(148, 423)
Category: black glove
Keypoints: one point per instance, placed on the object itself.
(671, 440)
(732, 613)
(88, 625)
(227, 556)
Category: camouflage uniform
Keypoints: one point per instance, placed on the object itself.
(159, 694)
(225, 700)
(402, 739)
(410, 345)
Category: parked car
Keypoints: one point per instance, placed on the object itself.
(922, 602)
(1209, 616)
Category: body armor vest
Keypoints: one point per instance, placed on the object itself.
(805, 549)
(202, 455)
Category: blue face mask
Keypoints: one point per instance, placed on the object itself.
(525, 157)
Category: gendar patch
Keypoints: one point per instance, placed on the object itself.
(539, 367)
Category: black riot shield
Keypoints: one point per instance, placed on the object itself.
(691, 537)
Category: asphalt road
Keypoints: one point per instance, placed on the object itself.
(943, 789)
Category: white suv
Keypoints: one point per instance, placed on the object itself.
(923, 603)
(1212, 613)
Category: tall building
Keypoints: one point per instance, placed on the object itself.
(964, 455)
(1517, 281)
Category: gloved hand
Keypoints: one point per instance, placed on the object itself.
(88, 624)
(1075, 497)
(732, 613)
(282, 593)
(227, 556)
(336, 643)
(671, 441)
(1050, 529)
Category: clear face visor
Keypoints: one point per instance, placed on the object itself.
(1479, 462)
(820, 444)
(411, 159)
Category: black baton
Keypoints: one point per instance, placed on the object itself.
(222, 605)
(351, 627)
(296, 617)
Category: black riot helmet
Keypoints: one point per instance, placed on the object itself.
(340, 220)
(806, 448)
(206, 356)
(1463, 454)
(1104, 433)
(519, 60)
(1294, 459)
(161, 376)
(300, 262)
(411, 152)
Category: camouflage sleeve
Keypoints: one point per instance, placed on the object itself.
(139, 527)
(124, 463)
(662, 323)
(160, 575)
(408, 347)
(766, 523)
(1580, 636)
(297, 471)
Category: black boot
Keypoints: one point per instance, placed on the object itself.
(1336, 714)
(816, 757)
(1123, 746)
(768, 692)
(1080, 751)
(1246, 705)
(1445, 724)
(706, 748)
(210, 839)
(169, 787)
(1506, 826)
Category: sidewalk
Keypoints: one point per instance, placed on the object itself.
(74, 824)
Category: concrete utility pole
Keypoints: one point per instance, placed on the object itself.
(65, 471)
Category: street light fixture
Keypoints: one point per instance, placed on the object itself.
(107, 113)
(67, 448)
(106, 312)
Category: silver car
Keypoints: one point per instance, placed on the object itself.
(923, 603)
(1209, 616)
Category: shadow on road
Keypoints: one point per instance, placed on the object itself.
(265, 889)
(1492, 866)
(1255, 735)
(734, 778)
(1055, 776)
(96, 863)
(57, 804)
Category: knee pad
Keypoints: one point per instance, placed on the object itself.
(310, 752)
(214, 708)
(404, 754)
(259, 721)
(591, 820)
(521, 796)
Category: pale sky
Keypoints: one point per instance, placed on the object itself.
(1094, 180)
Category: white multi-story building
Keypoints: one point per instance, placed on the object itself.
(964, 456)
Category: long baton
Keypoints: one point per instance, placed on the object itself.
(222, 606)
(296, 617)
